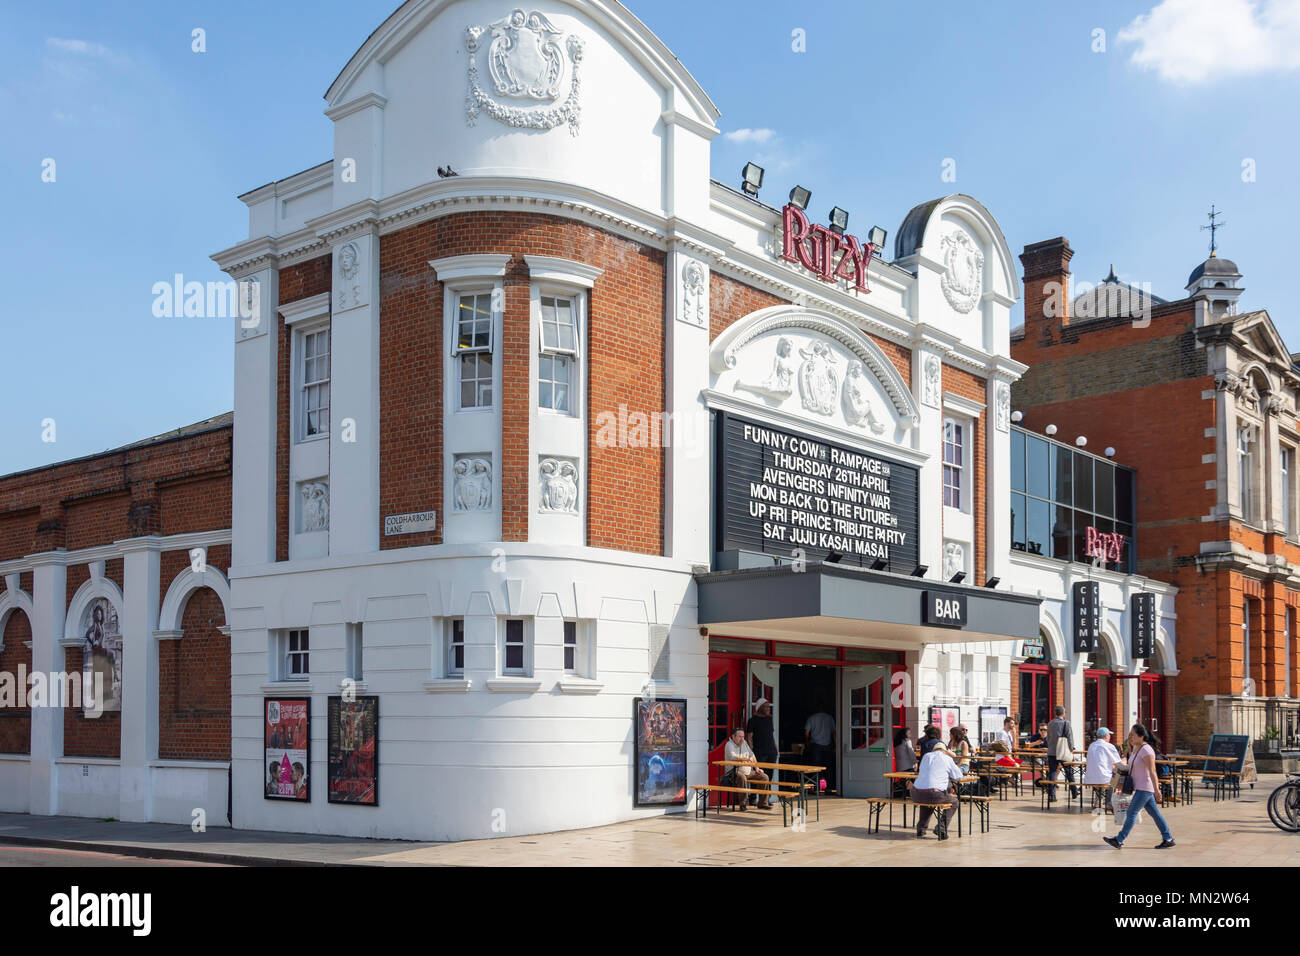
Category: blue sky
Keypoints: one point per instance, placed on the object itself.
(1122, 151)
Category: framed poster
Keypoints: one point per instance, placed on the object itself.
(101, 658)
(286, 725)
(352, 730)
(945, 718)
(659, 728)
(991, 723)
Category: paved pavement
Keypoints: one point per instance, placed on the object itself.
(1229, 833)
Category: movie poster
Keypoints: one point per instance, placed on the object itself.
(660, 727)
(288, 744)
(101, 660)
(354, 751)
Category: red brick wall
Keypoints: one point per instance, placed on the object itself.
(730, 300)
(625, 366)
(300, 281)
(18, 531)
(15, 721)
(194, 685)
(201, 504)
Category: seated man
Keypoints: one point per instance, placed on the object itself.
(1037, 741)
(934, 776)
(738, 749)
(1101, 761)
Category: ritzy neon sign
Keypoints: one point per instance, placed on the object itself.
(828, 255)
(1104, 546)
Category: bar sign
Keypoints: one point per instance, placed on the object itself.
(1087, 616)
(943, 608)
(1144, 626)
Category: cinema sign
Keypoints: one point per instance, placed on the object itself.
(825, 253)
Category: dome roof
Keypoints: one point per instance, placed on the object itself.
(1214, 266)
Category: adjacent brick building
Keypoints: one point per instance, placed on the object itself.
(1201, 400)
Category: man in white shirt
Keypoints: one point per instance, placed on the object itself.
(738, 749)
(1101, 760)
(936, 773)
(1008, 734)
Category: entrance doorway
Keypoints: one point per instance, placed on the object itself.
(867, 749)
(1035, 697)
(1151, 704)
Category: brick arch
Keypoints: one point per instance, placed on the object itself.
(184, 585)
(15, 657)
(194, 681)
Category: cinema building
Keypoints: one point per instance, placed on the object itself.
(1201, 399)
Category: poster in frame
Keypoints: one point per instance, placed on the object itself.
(659, 751)
(991, 719)
(286, 726)
(352, 729)
(945, 718)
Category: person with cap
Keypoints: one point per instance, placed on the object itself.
(762, 738)
(1100, 765)
(935, 778)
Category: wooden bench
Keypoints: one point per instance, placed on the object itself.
(984, 805)
(702, 791)
(876, 805)
(1045, 788)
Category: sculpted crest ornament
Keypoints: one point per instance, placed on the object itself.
(524, 61)
(963, 270)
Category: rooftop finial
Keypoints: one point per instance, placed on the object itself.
(1214, 227)
(1112, 277)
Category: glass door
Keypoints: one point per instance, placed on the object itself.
(1096, 703)
(1035, 697)
(726, 707)
(1151, 700)
(867, 754)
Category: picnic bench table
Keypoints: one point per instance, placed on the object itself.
(876, 804)
(809, 775)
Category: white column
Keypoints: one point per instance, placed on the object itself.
(354, 396)
(141, 597)
(997, 458)
(928, 393)
(686, 359)
(49, 595)
(254, 473)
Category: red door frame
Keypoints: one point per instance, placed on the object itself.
(1151, 689)
(1040, 672)
(1105, 701)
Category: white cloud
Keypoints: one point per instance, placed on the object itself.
(750, 135)
(84, 48)
(1198, 41)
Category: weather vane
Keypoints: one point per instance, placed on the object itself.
(1214, 227)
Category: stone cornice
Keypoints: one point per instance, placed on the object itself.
(362, 102)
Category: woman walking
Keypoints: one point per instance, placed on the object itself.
(1142, 773)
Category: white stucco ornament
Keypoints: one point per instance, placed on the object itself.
(558, 486)
(1003, 407)
(857, 399)
(954, 559)
(695, 294)
(347, 286)
(818, 380)
(472, 484)
(963, 270)
(932, 382)
(525, 63)
(315, 506)
(779, 384)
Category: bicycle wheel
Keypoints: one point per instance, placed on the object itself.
(1284, 807)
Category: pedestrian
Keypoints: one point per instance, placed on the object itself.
(1143, 778)
(904, 758)
(934, 780)
(1060, 749)
(819, 741)
(762, 738)
(1100, 765)
(931, 737)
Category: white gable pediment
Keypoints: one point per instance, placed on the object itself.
(816, 368)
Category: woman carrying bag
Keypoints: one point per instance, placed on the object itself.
(1141, 782)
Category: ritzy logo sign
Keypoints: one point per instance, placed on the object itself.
(1104, 546)
(824, 252)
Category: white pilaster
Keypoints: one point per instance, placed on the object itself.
(254, 472)
(49, 596)
(686, 362)
(354, 397)
(928, 392)
(997, 482)
(141, 598)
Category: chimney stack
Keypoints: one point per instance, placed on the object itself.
(1047, 287)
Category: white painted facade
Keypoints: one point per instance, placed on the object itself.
(620, 141)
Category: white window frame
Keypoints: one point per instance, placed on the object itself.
(354, 649)
(302, 318)
(458, 354)
(526, 670)
(1246, 472)
(1286, 460)
(572, 356)
(449, 668)
(286, 651)
(582, 649)
(466, 275)
(961, 430)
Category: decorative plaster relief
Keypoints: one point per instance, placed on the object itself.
(472, 483)
(558, 486)
(524, 61)
(963, 270)
(931, 390)
(315, 505)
